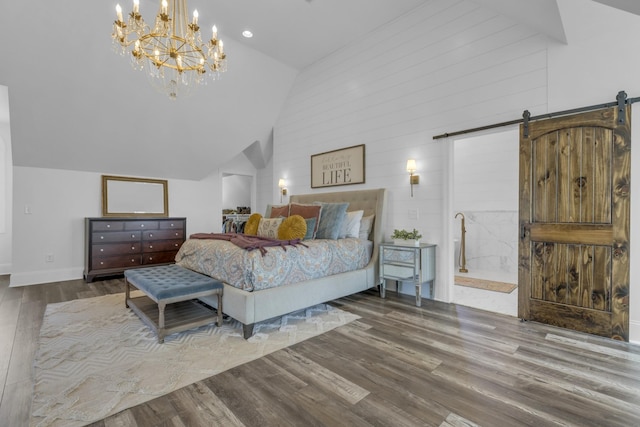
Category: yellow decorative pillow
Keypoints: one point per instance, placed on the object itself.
(293, 227)
(251, 227)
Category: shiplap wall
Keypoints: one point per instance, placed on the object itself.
(446, 66)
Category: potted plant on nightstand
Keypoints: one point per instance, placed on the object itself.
(404, 237)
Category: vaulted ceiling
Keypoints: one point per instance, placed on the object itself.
(76, 105)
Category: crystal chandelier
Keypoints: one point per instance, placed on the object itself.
(172, 53)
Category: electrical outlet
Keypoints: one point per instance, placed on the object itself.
(48, 258)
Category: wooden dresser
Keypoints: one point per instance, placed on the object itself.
(114, 244)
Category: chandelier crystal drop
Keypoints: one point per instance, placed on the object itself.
(172, 52)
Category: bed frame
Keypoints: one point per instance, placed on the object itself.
(251, 307)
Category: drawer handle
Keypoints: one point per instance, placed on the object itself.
(133, 236)
(172, 224)
(133, 248)
(150, 258)
(133, 260)
(108, 225)
(101, 250)
(101, 262)
(142, 225)
(176, 234)
(101, 237)
(150, 246)
(175, 244)
(150, 234)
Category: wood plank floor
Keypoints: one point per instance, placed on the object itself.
(399, 365)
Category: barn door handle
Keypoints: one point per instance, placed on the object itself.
(523, 230)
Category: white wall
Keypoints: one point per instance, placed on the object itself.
(59, 200)
(6, 190)
(486, 171)
(236, 191)
(6, 183)
(428, 73)
(267, 186)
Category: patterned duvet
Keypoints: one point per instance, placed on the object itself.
(251, 271)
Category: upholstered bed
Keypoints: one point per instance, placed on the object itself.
(255, 302)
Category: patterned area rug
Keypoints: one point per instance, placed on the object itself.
(96, 357)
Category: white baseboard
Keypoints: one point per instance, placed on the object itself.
(45, 276)
(634, 331)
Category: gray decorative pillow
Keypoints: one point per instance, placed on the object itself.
(331, 218)
(311, 226)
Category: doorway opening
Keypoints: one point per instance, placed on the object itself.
(485, 194)
(237, 201)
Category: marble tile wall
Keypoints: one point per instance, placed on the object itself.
(491, 240)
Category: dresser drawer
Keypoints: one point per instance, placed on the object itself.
(173, 224)
(161, 245)
(120, 261)
(107, 226)
(115, 249)
(118, 236)
(141, 225)
(163, 234)
(159, 257)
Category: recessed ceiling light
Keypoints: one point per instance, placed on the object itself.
(248, 34)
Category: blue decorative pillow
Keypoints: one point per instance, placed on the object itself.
(311, 226)
(331, 218)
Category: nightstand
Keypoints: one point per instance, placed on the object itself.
(408, 263)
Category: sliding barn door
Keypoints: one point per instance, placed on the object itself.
(574, 222)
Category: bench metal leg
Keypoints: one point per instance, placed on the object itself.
(219, 321)
(161, 307)
(127, 293)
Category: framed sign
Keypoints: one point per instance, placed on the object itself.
(338, 167)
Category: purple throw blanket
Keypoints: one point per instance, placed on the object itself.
(249, 243)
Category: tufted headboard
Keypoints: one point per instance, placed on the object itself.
(370, 201)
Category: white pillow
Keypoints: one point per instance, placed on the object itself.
(268, 227)
(365, 227)
(351, 225)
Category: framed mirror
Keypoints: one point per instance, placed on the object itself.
(134, 197)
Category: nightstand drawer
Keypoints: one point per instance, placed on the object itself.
(398, 272)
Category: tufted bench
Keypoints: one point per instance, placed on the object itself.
(177, 286)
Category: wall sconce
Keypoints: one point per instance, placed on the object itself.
(413, 179)
(283, 191)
